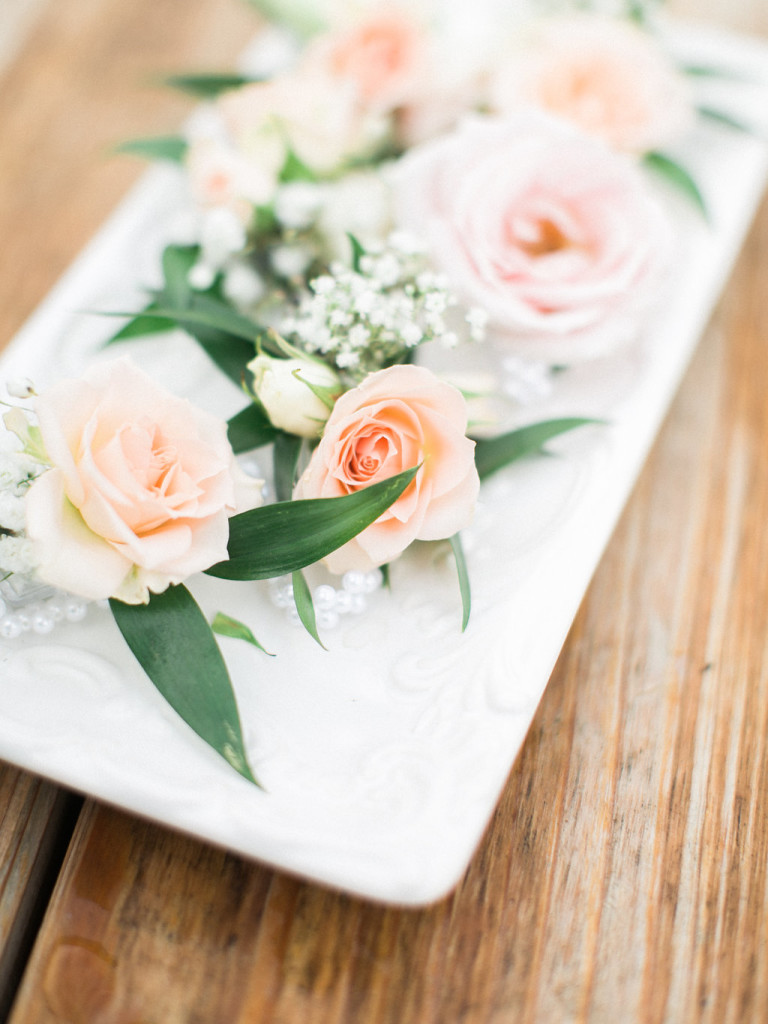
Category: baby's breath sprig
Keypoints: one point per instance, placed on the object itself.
(21, 462)
(373, 314)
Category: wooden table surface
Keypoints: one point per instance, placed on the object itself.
(624, 876)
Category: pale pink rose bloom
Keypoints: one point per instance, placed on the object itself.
(141, 488)
(396, 419)
(434, 112)
(220, 176)
(610, 78)
(384, 54)
(315, 114)
(553, 234)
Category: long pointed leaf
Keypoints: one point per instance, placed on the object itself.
(285, 458)
(678, 176)
(722, 117)
(278, 539)
(139, 326)
(175, 646)
(162, 147)
(204, 312)
(178, 261)
(492, 454)
(225, 625)
(464, 587)
(208, 85)
(302, 596)
(227, 338)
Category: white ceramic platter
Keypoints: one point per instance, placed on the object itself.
(382, 758)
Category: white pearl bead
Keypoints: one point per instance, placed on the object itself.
(283, 597)
(353, 582)
(327, 619)
(373, 581)
(324, 597)
(10, 627)
(42, 623)
(74, 610)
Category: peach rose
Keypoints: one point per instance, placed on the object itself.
(140, 489)
(384, 54)
(397, 418)
(553, 234)
(610, 78)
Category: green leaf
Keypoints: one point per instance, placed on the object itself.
(464, 588)
(208, 85)
(161, 147)
(264, 221)
(225, 625)
(227, 336)
(323, 393)
(178, 261)
(139, 326)
(679, 177)
(713, 71)
(250, 428)
(294, 169)
(358, 251)
(175, 646)
(277, 539)
(285, 458)
(721, 117)
(208, 312)
(304, 606)
(492, 454)
(302, 18)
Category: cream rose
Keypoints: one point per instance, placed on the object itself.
(313, 113)
(553, 234)
(140, 489)
(610, 78)
(397, 418)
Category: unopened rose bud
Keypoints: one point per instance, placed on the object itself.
(283, 388)
(20, 387)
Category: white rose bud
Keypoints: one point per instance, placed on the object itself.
(282, 387)
(20, 387)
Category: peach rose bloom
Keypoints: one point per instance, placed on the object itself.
(557, 237)
(396, 419)
(140, 490)
(384, 54)
(608, 77)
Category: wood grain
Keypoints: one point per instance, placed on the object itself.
(623, 876)
(36, 821)
(86, 79)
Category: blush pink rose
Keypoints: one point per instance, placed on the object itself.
(557, 237)
(397, 418)
(608, 77)
(140, 489)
